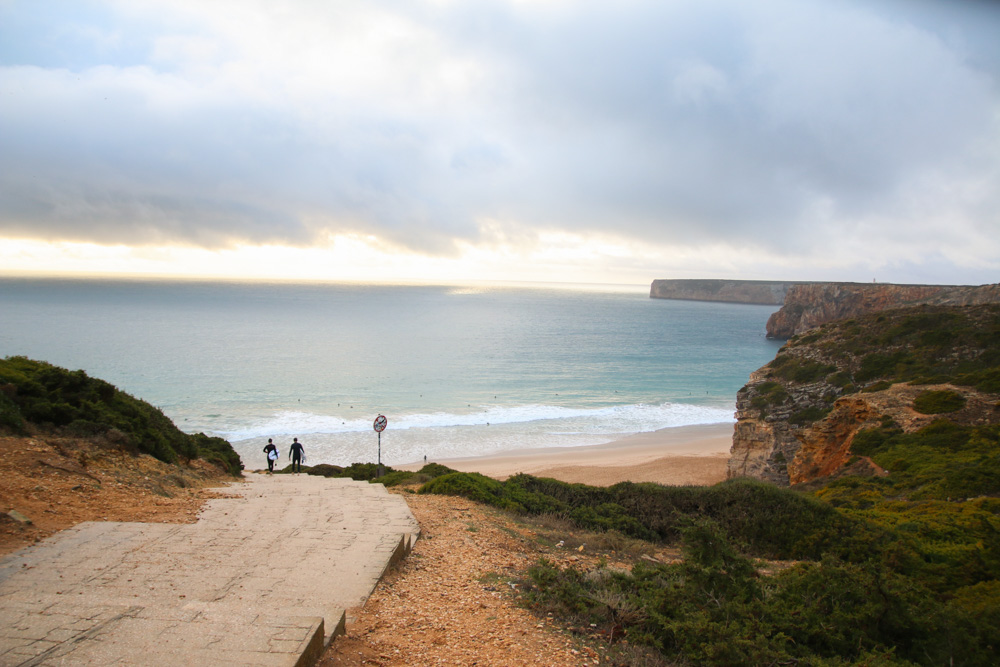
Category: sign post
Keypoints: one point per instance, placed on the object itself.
(380, 423)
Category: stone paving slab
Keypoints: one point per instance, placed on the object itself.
(263, 578)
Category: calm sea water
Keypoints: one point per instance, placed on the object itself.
(458, 371)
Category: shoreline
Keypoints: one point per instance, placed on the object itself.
(681, 455)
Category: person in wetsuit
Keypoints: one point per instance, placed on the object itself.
(296, 454)
(268, 449)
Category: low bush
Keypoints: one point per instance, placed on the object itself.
(433, 470)
(369, 472)
(219, 452)
(71, 402)
(10, 413)
(769, 394)
(472, 486)
(365, 472)
(323, 470)
(764, 519)
(940, 461)
(884, 364)
(715, 607)
(938, 402)
(808, 415)
(796, 369)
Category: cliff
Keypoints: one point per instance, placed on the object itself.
(808, 305)
(728, 291)
(798, 416)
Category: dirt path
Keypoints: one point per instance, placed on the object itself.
(450, 602)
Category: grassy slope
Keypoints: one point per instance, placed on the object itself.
(36, 394)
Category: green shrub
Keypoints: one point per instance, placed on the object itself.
(883, 364)
(924, 345)
(868, 441)
(796, 369)
(841, 379)
(74, 403)
(929, 379)
(767, 520)
(899, 569)
(881, 385)
(364, 472)
(397, 477)
(808, 415)
(984, 380)
(472, 486)
(979, 607)
(769, 394)
(10, 413)
(323, 470)
(714, 607)
(938, 402)
(433, 470)
(218, 451)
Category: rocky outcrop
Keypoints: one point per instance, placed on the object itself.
(808, 305)
(825, 446)
(797, 417)
(784, 454)
(727, 291)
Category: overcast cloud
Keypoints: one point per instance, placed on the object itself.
(860, 133)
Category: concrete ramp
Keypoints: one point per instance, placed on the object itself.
(262, 578)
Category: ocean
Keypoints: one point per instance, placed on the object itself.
(456, 370)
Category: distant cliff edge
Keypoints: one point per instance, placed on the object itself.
(764, 292)
(808, 305)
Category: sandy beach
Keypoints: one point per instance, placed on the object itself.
(678, 456)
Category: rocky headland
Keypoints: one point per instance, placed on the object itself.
(808, 305)
(895, 371)
(764, 292)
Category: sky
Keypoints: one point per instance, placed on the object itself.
(541, 140)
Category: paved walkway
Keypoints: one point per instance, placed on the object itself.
(262, 578)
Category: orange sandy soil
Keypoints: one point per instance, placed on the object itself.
(453, 601)
(59, 482)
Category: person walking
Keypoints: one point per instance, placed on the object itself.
(296, 454)
(272, 455)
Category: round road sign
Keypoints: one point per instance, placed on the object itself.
(380, 423)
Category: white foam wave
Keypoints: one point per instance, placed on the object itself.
(620, 419)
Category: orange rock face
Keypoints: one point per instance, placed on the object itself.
(778, 452)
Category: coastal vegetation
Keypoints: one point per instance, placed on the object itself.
(924, 345)
(878, 571)
(798, 414)
(35, 395)
(370, 472)
(893, 563)
(921, 346)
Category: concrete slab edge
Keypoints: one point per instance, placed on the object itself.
(315, 644)
(402, 550)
